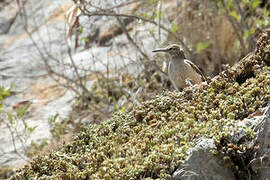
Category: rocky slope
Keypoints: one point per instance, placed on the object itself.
(154, 139)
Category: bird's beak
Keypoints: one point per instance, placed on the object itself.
(160, 50)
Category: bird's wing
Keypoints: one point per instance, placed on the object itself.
(195, 68)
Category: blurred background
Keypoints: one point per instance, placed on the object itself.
(64, 64)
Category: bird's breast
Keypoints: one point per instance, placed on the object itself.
(175, 75)
(179, 72)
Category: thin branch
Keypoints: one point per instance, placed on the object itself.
(112, 14)
(244, 25)
(159, 17)
(234, 25)
(136, 46)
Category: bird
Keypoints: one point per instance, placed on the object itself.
(182, 72)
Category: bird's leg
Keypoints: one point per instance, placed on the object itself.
(175, 87)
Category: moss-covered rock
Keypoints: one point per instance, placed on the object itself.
(153, 139)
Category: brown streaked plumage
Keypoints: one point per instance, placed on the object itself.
(180, 70)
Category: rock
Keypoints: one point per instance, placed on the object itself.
(202, 164)
(23, 67)
(4, 25)
(261, 163)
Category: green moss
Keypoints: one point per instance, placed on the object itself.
(153, 139)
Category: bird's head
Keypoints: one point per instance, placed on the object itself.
(174, 50)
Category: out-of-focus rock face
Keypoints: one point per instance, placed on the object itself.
(22, 67)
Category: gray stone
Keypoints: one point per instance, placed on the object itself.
(4, 25)
(202, 164)
(261, 163)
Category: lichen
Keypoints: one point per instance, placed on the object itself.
(153, 139)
